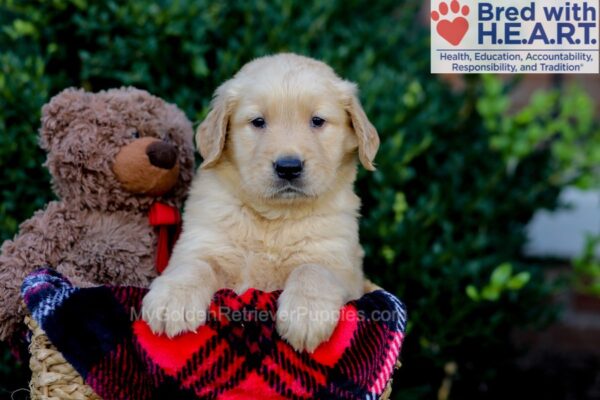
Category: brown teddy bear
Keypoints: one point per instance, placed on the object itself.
(115, 157)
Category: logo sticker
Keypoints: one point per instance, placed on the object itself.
(514, 36)
(450, 23)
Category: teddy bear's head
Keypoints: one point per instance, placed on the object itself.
(117, 149)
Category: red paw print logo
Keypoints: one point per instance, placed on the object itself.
(453, 30)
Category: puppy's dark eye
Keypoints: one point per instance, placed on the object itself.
(135, 134)
(259, 123)
(317, 122)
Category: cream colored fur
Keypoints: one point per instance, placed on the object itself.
(242, 231)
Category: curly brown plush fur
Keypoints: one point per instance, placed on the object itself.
(98, 231)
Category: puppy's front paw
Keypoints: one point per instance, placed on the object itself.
(173, 308)
(306, 322)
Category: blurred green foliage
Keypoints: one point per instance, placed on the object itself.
(561, 120)
(457, 180)
(586, 267)
(502, 279)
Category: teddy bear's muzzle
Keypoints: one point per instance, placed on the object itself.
(162, 154)
(147, 166)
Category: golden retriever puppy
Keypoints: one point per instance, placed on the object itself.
(272, 206)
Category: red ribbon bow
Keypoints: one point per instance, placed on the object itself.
(168, 221)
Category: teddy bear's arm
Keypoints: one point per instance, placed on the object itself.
(40, 242)
(116, 248)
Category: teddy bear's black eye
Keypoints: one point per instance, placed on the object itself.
(135, 134)
(317, 122)
(259, 123)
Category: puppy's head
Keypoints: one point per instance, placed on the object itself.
(289, 128)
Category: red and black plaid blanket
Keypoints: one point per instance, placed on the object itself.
(98, 331)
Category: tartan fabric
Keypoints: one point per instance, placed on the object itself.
(236, 355)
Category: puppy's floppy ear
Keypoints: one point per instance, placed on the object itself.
(366, 134)
(212, 132)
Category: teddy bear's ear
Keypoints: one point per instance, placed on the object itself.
(58, 113)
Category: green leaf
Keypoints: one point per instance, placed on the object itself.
(501, 275)
(400, 206)
(490, 293)
(518, 281)
(388, 253)
(472, 293)
(23, 28)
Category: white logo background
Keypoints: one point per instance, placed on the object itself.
(534, 56)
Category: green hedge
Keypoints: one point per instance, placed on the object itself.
(443, 215)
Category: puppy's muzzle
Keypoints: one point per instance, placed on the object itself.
(289, 167)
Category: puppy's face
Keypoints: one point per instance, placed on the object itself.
(289, 128)
(289, 136)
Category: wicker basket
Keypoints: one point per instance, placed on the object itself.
(53, 378)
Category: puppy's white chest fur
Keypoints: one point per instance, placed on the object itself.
(251, 248)
(265, 250)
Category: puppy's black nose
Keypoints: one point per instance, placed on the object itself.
(161, 154)
(288, 168)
